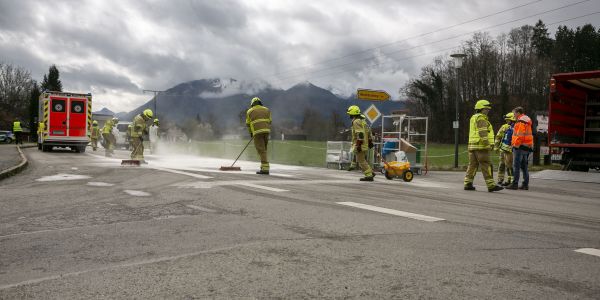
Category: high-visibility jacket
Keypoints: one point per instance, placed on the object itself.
(139, 126)
(360, 132)
(503, 138)
(258, 119)
(108, 125)
(481, 133)
(95, 132)
(41, 128)
(522, 135)
(17, 126)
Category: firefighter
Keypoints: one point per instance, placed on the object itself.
(95, 135)
(17, 131)
(503, 146)
(481, 140)
(522, 143)
(153, 135)
(258, 121)
(360, 141)
(139, 129)
(352, 166)
(108, 136)
(40, 134)
(128, 137)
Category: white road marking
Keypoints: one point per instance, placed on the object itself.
(182, 173)
(200, 208)
(256, 186)
(59, 177)
(392, 211)
(99, 183)
(137, 193)
(590, 251)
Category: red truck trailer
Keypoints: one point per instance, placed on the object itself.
(65, 120)
(574, 120)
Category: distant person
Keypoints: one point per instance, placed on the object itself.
(95, 134)
(258, 121)
(153, 135)
(108, 136)
(504, 148)
(522, 143)
(18, 131)
(481, 139)
(40, 134)
(360, 141)
(139, 130)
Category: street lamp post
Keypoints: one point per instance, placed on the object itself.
(458, 60)
(155, 99)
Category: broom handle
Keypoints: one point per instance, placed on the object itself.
(243, 151)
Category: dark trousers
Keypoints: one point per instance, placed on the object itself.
(521, 163)
(18, 138)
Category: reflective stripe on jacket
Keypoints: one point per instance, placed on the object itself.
(481, 133)
(522, 135)
(107, 126)
(505, 145)
(139, 126)
(95, 132)
(258, 119)
(360, 133)
(17, 126)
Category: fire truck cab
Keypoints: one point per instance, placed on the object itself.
(65, 120)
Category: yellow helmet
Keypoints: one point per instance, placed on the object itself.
(510, 116)
(353, 110)
(254, 100)
(115, 120)
(155, 121)
(148, 113)
(95, 123)
(481, 104)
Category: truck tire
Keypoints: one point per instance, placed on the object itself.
(81, 149)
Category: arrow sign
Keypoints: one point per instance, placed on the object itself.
(373, 95)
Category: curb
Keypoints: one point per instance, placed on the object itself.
(16, 169)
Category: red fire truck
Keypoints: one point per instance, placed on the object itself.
(65, 120)
(574, 120)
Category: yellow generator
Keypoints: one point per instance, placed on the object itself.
(399, 169)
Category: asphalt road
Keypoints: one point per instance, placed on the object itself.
(81, 226)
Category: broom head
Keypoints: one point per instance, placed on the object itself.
(130, 162)
(229, 168)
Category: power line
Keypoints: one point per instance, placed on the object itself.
(408, 38)
(437, 41)
(447, 49)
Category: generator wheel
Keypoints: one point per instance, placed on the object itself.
(407, 176)
(387, 175)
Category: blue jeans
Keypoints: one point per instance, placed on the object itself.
(520, 163)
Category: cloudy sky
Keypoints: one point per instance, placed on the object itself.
(117, 48)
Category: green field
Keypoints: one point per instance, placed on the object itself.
(312, 153)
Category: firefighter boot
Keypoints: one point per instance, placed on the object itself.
(469, 187)
(495, 189)
(262, 172)
(367, 178)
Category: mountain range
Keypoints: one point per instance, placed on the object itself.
(225, 100)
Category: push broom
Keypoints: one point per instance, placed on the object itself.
(232, 168)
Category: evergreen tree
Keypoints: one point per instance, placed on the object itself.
(34, 106)
(52, 81)
(541, 40)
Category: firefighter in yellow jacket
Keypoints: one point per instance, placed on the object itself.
(481, 140)
(504, 148)
(109, 139)
(360, 141)
(139, 129)
(258, 121)
(95, 134)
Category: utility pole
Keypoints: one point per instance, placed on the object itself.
(458, 58)
(155, 99)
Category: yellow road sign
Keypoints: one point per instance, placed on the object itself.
(372, 95)
(372, 113)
